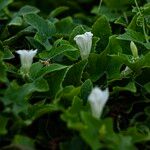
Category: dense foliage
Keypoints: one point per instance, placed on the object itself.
(48, 108)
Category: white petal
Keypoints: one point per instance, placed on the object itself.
(26, 58)
(97, 100)
(84, 42)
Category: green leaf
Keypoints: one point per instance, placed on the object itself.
(39, 85)
(147, 87)
(86, 89)
(16, 21)
(28, 10)
(97, 65)
(24, 142)
(72, 55)
(110, 14)
(58, 11)
(114, 66)
(72, 116)
(92, 130)
(3, 124)
(138, 136)
(102, 130)
(134, 25)
(19, 95)
(113, 69)
(129, 87)
(39, 109)
(4, 3)
(45, 29)
(146, 10)
(51, 68)
(113, 46)
(14, 39)
(55, 51)
(7, 54)
(101, 28)
(131, 35)
(125, 142)
(142, 62)
(35, 69)
(95, 41)
(65, 26)
(55, 80)
(121, 21)
(76, 143)
(117, 4)
(77, 30)
(40, 24)
(74, 74)
(34, 43)
(147, 110)
(3, 74)
(67, 94)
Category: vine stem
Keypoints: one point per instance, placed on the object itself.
(137, 7)
(145, 34)
(99, 6)
(143, 24)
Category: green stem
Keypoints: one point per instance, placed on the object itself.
(137, 6)
(145, 34)
(144, 30)
(99, 6)
(126, 18)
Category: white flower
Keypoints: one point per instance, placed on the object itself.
(26, 58)
(84, 42)
(97, 100)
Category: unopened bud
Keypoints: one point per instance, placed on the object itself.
(134, 50)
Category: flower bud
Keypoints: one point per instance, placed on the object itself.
(134, 50)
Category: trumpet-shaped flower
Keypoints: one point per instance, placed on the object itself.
(84, 42)
(97, 100)
(26, 58)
